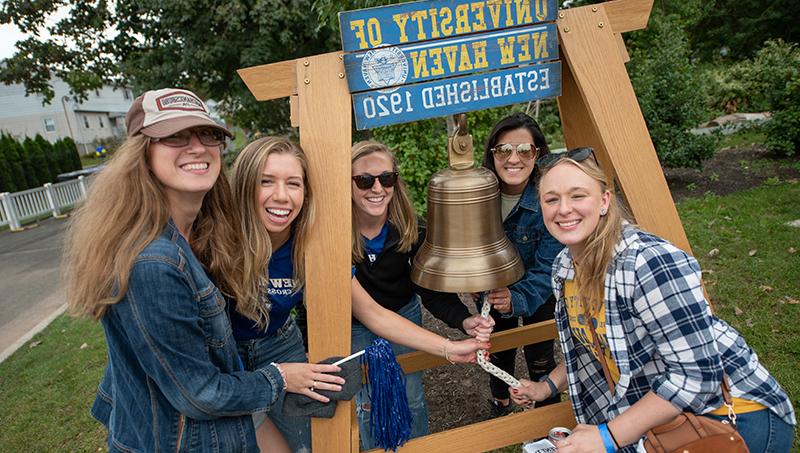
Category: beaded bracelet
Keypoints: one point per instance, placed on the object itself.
(283, 375)
(606, 437)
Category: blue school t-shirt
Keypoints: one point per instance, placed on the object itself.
(281, 294)
(373, 247)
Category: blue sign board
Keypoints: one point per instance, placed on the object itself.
(390, 66)
(456, 95)
(411, 22)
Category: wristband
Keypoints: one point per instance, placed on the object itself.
(606, 436)
(283, 375)
(551, 384)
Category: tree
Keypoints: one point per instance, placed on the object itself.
(19, 164)
(49, 154)
(7, 166)
(198, 45)
(739, 28)
(74, 155)
(37, 162)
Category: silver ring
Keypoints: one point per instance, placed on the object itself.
(313, 385)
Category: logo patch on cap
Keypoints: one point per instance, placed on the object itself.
(180, 101)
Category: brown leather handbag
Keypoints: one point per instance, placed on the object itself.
(687, 432)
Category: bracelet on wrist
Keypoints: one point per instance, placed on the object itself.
(445, 352)
(616, 443)
(283, 375)
(605, 435)
(553, 389)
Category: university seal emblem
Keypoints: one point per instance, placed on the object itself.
(384, 66)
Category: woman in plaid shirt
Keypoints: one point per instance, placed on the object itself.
(665, 352)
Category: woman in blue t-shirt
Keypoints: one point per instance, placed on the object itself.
(274, 200)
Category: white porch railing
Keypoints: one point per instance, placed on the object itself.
(52, 199)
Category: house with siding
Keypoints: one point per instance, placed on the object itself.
(101, 116)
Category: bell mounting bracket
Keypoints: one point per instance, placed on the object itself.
(459, 145)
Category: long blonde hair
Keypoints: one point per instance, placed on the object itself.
(245, 179)
(401, 209)
(598, 249)
(125, 210)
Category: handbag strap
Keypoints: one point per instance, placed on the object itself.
(726, 390)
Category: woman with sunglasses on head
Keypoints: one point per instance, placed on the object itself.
(640, 343)
(511, 151)
(274, 201)
(386, 235)
(150, 254)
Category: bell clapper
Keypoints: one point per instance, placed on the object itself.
(487, 366)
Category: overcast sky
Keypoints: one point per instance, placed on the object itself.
(9, 35)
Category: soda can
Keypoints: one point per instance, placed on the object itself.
(558, 434)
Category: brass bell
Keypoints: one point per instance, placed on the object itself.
(465, 249)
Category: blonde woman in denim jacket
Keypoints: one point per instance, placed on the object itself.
(146, 257)
(665, 352)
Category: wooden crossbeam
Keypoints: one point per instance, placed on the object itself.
(496, 433)
(501, 341)
(627, 15)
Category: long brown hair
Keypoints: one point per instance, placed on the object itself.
(598, 248)
(401, 210)
(125, 210)
(245, 179)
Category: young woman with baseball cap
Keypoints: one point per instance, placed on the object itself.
(149, 255)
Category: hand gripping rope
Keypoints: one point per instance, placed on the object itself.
(485, 364)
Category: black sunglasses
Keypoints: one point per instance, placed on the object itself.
(576, 154)
(365, 181)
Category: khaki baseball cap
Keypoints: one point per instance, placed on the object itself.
(161, 113)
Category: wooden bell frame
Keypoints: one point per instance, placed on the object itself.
(598, 108)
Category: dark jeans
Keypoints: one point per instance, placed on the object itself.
(763, 431)
(538, 356)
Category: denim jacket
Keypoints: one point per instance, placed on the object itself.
(174, 381)
(524, 227)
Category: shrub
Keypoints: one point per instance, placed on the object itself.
(7, 167)
(49, 154)
(783, 130)
(72, 153)
(768, 81)
(671, 92)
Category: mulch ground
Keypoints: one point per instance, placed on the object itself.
(458, 395)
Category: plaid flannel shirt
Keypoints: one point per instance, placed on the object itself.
(663, 337)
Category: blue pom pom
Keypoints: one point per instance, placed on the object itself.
(390, 417)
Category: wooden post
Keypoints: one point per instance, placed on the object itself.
(599, 108)
(325, 125)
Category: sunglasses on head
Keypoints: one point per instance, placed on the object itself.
(525, 151)
(365, 181)
(576, 154)
(208, 136)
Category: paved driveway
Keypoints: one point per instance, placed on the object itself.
(30, 290)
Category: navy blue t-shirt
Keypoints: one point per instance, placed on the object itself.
(373, 247)
(280, 292)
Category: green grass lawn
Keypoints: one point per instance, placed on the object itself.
(47, 390)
